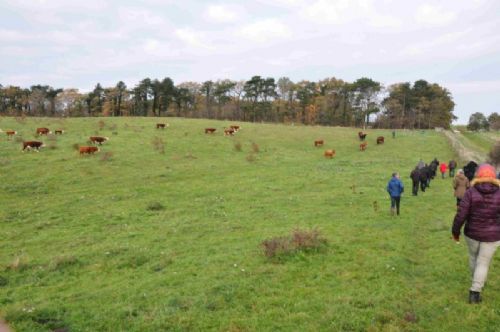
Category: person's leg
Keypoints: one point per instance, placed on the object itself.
(393, 204)
(398, 200)
(442, 175)
(483, 260)
(473, 247)
(415, 188)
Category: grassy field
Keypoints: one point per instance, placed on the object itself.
(162, 231)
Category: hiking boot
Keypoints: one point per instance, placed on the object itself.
(474, 297)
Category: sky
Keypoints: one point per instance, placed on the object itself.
(75, 44)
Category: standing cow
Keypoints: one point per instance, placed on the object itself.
(43, 131)
(33, 145)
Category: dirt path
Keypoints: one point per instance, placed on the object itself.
(465, 153)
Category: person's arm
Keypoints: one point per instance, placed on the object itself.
(461, 215)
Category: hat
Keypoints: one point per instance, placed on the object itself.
(460, 171)
(486, 171)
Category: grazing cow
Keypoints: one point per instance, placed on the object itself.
(10, 133)
(380, 140)
(58, 131)
(98, 139)
(319, 142)
(235, 127)
(210, 130)
(33, 145)
(329, 154)
(362, 146)
(88, 150)
(362, 135)
(43, 131)
(161, 125)
(229, 132)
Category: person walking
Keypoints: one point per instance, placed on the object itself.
(442, 169)
(415, 177)
(480, 210)
(452, 165)
(423, 178)
(395, 188)
(460, 185)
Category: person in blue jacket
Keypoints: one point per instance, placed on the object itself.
(395, 188)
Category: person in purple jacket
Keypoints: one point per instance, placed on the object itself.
(480, 211)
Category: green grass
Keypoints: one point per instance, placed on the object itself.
(151, 241)
(482, 141)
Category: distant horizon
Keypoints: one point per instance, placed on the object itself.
(76, 44)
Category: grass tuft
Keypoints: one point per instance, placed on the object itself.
(299, 241)
(155, 206)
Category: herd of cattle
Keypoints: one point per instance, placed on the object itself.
(362, 147)
(98, 140)
(36, 145)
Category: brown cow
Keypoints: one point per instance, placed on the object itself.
(235, 127)
(10, 133)
(362, 146)
(161, 125)
(229, 132)
(362, 135)
(88, 150)
(33, 145)
(329, 154)
(58, 131)
(43, 131)
(98, 139)
(380, 140)
(319, 142)
(210, 130)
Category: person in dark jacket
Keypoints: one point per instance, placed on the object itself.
(415, 177)
(470, 170)
(452, 165)
(480, 211)
(423, 178)
(395, 188)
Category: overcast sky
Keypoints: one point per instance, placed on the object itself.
(455, 43)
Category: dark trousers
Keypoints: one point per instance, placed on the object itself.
(442, 175)
(415, 188)
(423, 185)
(395, 203)
(452, 172)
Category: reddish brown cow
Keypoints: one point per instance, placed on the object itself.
(210, 130)
(319, 142)
(58, 131)
(10, 133)
(161, 125)
(98, 139)
(229, 132)
(33, 145)
(235, 127)
(88, 150)
(362, 146)
(362, 135)
(329, 153)
(43, 131)
(380, 140)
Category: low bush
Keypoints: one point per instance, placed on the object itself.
(299, 241)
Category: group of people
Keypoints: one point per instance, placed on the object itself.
(478, 207)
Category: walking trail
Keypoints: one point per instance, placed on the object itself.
(465, 153)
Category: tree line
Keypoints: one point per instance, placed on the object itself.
(478, 121)
(330, 101)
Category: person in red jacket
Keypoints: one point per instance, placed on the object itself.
(480, 211)
(442, 168)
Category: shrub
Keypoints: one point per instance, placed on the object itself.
(251, 157)
(237, 146)
(155, 206)
(494, 155)
(106, 156)
(298, 241)
(158, 144)
(255, 147)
